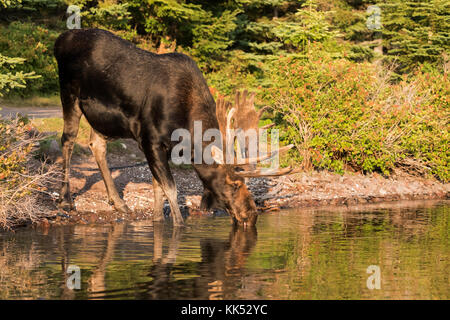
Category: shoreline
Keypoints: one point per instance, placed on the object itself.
(328, 189)
(316, 189)
(298, 191)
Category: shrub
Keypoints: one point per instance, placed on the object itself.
(345, 115)
(10, 80)
(22, 179)
(34, 44)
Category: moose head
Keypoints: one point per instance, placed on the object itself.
(234, 195)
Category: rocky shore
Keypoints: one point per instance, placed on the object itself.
(300, 190)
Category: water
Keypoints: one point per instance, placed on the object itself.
(295, 254)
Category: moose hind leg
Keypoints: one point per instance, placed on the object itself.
(71, 115)
(97, 144)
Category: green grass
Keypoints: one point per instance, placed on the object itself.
(115, 146)
(34, 101)
(57, 125)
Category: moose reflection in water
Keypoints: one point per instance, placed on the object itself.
(297, 254)
(219, 271)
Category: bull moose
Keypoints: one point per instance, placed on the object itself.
(127, 92)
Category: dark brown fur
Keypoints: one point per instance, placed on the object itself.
(126, 92)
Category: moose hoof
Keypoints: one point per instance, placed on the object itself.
(158, 217)
(66, 205)
(178, 224)
(123, 209)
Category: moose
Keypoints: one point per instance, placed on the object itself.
(127, 92)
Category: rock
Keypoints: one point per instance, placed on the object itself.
(53, 151)
(54, 146)
(197, 212)
(193, 201)
(63, 215)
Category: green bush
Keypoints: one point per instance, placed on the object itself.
(9, 79)
(33, 43)
(342, 112)
(345, 115)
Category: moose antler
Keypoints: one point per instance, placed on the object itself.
(222, 107)
(224, 115)
(245, 117)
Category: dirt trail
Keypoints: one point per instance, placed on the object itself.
(32, 112)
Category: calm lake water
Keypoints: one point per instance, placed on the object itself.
(295, 254)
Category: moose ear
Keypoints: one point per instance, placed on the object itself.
(217, 154)
(236, 184)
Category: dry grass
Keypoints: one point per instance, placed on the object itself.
(24, 203)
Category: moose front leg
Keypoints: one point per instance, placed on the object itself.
(159, 166)
(158, 193)
(208, 200)
(97, 144)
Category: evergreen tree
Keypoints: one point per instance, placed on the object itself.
(416, 31)
(8, 78)
(211, 40)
